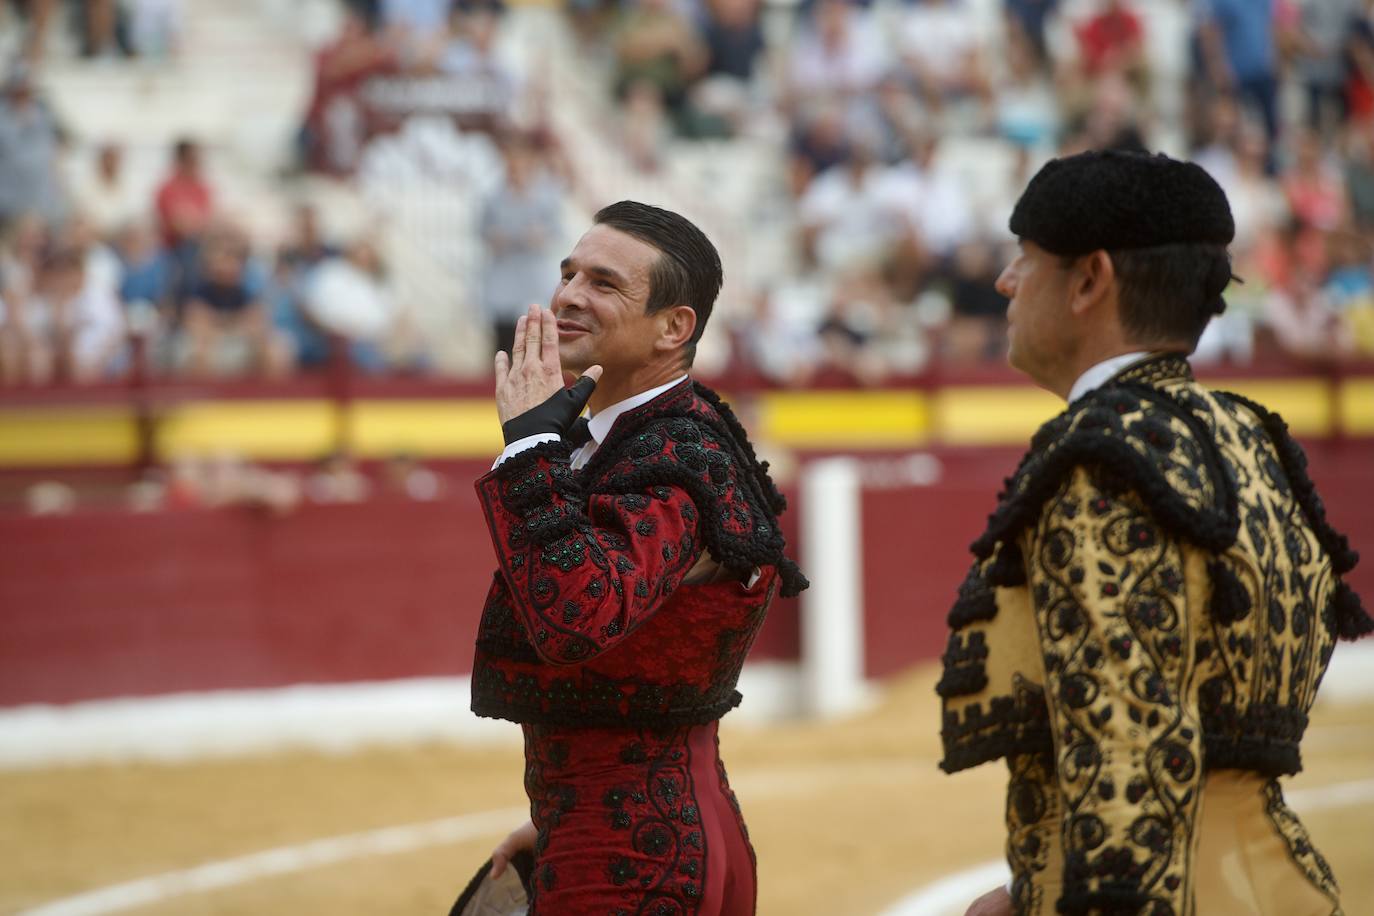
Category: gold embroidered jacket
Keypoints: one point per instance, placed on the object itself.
(1156, 597)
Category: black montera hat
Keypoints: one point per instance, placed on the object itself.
(1115, 199)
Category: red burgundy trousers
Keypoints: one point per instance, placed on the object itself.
(635, 821)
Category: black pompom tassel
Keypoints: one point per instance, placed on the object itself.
(1352, 621)
(1230, 600)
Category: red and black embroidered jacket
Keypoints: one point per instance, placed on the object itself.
(588, 621)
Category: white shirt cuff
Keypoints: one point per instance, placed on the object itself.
(520, 445)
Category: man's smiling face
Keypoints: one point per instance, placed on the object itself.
(600, 301)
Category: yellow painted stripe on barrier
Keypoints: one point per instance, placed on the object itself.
(1304, 403)
(430, 428)
(274, 430)
(1357, 407)
(993, 415)
(67, 435)
(829, 419)
(302, 430)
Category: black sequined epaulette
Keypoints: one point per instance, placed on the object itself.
(1132, 436)
(690, 439)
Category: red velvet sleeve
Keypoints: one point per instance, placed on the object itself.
(584, 569)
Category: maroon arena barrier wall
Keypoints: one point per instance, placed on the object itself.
(108, 603)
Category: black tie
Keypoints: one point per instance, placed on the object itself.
(580, 433)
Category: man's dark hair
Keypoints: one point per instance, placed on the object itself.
(687, 271)
(1169, 292)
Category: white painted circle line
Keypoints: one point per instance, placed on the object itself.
(282, 860)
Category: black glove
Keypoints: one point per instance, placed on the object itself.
(556, 415)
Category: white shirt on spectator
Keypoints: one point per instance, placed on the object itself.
(856, 66)
(940, 37)
(347, 299)
(935, 205)
(855, 221)
(110, 206)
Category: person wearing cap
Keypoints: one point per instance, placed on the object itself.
(638, 551)
(1158, 592)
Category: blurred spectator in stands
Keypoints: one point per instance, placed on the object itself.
(1359, 173)
(851, 327)
(645, 126)
(73, 330)
(332, 133)
(155, 27)
(1237, 45)
(1218, 141)
(226, 329)
(307, 248)
(103, 270)
(1359, 64)
(336, 479)
(1316, 195)
(733, 35)
(895, 116)
(23, 240)
(1111, 121)
(417, 28)
(147, 271)
(1305, 323)
(184, 203)
(1027, 104)
(976, 332)
(519, 222)
(1257, 202)
(1027, 19)
(1317, 39)
(817, 143)
(472, 55)
(105, 194)
(838, 52)
(350, 297)
(297, 262)
(29, 145)
(779, 339)
(405, 476)
(943, 49)
(1112, 40)
(100, 28)
(938, 209)
(848, 214)
(35, 16)
(1349, 288)
(655, 44)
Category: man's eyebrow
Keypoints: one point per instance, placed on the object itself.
(597, 270)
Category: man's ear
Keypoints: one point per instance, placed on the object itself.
(1093, 283)
(676, 325)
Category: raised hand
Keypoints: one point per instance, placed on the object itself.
(530, 397)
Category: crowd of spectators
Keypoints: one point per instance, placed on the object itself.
(898, 240)
(899, 243)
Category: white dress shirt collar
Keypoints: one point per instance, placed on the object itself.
(600, 423)
(1098, 375)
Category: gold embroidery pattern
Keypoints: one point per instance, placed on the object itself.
(1300, 847)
